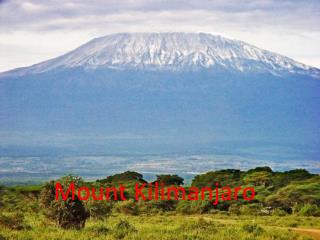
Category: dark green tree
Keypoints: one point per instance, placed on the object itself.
(228, 177)
(168, 180)
(123, 177)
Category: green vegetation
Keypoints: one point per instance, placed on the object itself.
(123, 177)
(283, 200)
(168, 180)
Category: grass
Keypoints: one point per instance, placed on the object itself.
(278, 221)
(22, 217)
(165, 226)
(26, 188)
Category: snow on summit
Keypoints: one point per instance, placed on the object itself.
(173, 51)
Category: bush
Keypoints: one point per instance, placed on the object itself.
(164, 205)
(123, 228)
(201, 225)
(279, 212)
(99, 209)
(192, 207)
(234, 209)
(251, 209)
(13, 221)
(71, 213)
(296, 193)
(67, 214)
(252, 228)
(310, 210)
(259, 177)
(128, 207)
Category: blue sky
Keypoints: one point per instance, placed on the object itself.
(32, 31)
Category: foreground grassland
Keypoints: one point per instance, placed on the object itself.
(170, 227)
(286, 206)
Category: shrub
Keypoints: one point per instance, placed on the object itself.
(66, 180)
(71, 213)
(47, 198)
(251, 209)
(234, 209)
(191, 207)
(164, 205)
(123, 228)
(201, 225)
(296, 193)
(252, 228)
(259, 177)
(310, 210)
(128, 207)
(67, 214)
(282, 179)
(99, 209)
(279, 212)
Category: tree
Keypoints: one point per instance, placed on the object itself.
(282, 179)
(71, 213)
(226, 177)
(122, 177)
(168, 180)
(67, 214)
(297, 192)
(260, 169)
(261, 178)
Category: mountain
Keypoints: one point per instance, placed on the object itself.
(174, 52)
(151, 92)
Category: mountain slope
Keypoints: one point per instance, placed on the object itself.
(173, 51)
(168, 92)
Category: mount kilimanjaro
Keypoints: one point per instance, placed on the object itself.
(160, 92)
(173, 52)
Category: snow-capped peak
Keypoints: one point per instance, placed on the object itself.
(173, 51)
